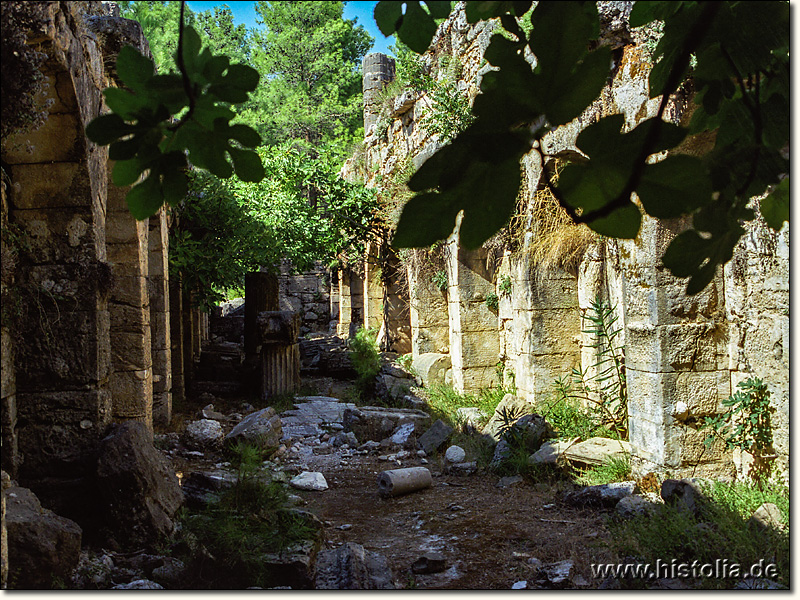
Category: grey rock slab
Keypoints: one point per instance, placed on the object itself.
(684, 493)
(262, 427)
(352, 567)
(551, 451)
(509, 481)
(464, 468)
(377, 422)
(470, 416)
(601, 496)
(309, 480)
(140, 490)
(435, 437)
(597, 450)
(402, 434)
(558, 574)
(512, 406)
(634, 506)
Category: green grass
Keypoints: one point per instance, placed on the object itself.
(444, 401)
(570, 420)
(721, 532)
(612, 470)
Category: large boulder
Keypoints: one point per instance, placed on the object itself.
(140, 490)
(43, 547)
(204, 434)
(262, 428)
(435, 437)
(510, 406)
(378, 422)
(352, 567)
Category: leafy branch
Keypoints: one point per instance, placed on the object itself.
(152, 151)
(520, 104)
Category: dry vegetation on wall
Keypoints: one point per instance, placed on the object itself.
(556, 241)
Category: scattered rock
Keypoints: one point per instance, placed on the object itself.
(205, 434)
(93, 572)
(139, 584)
(208, 412)
(430, 562)
(377, 422)
(464, 468)
(352, 567)
(597, 450)
(601, 496)
(139, 487)
(41, 544)
(558, 574)
(455, 454)
(294, 566)
(435, 437)
(634, 506)
(402, 435)
(511, 406)
(262, 427)
(170, 573)
(767, 515)
(684, 493)
(309, 480)
(520, 585)
(470, 417)
(509, 481)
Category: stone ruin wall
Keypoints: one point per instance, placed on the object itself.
(684, 355)
(93, 330)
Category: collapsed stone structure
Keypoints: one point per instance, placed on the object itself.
(511, 309)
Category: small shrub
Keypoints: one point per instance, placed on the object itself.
(568, 418)
(366, 359)
(747, 426)
(439, 279)
(505, 285)
(492, 302)
(244, 522)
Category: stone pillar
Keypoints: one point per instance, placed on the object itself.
(373, 289)
(260, 294)
(675, 357)
(176, 341)
(345, 303)
(161, 347)
(131, 381)
(60, 321)
(187, 345)
(474, 344)
(8, 387)
(378, 70)
(278, 333)
(398, 321)
(334, 298)
(430, 331)
(547, 327)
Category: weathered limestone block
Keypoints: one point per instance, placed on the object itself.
(432, 368)
(140, 489)
(261, 294)
(42, 546)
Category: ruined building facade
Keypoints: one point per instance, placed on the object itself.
(88, 306)
(515, 309)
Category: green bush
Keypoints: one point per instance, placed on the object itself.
(366, 359)
(611, 470)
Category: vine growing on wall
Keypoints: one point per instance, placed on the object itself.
(740, 53)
